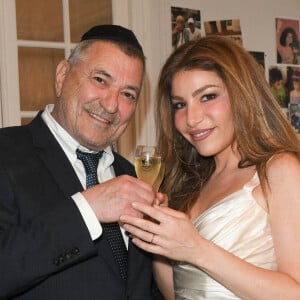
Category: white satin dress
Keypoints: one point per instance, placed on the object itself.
(238, 224)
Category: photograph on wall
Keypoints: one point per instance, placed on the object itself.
(294, 116)
(285, 86)
(287, 41)
(185, 24)
(294, 85)
(229, 28)
(259, 57)
(278, 81)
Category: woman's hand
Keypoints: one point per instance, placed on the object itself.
(161, 199)
(170, 234)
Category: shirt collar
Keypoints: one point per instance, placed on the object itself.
(67, 142)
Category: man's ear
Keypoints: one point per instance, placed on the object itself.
(60, 75)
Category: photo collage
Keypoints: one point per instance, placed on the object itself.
(284, 77)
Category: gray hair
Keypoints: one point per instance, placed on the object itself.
(77, 53)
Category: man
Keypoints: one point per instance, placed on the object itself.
(54, 241)
(194, 32)
(180, 34)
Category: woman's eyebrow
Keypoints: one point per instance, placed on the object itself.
(195, 93)
(203, 88)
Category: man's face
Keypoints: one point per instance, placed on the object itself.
(191, 26)
(180, 24)
(97, 97)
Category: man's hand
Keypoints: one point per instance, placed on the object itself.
(113, 198)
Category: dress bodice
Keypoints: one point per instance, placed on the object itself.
(238, 224)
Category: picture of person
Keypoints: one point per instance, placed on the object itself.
(287, 41)
(194, 31)
(180, 34)
(185, 24)
(295, 93)
(277, 86)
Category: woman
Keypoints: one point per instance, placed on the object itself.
(232, 180)
(285, 41)
(295, 92)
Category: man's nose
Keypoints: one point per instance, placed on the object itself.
(110, 101)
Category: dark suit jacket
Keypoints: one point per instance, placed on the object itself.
(45, 248)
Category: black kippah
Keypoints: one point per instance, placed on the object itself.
(112, 32)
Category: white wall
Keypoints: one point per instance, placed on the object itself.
(257, 21)
(151, 19)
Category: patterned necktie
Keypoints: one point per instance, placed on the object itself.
(110, 230)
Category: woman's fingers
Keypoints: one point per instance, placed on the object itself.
(145, 240)
(159, 213)
(143, 231)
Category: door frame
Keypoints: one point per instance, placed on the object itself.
(9, 75)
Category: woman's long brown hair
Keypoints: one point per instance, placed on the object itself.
(261, 127)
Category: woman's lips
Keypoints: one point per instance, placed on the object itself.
(199, 135)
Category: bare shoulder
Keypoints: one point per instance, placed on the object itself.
(283, 163)
(283, 173)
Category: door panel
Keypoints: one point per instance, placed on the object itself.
(36, 72)
(85, 14)
(40, 20)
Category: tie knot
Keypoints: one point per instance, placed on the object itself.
(90, 161)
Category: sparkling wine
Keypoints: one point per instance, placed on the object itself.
(147, 167)
(159, 177)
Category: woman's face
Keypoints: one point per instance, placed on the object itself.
(296, 85)
(289, 39)
(202, 111)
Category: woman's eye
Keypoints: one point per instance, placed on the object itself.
(208, 97)
(178, 105)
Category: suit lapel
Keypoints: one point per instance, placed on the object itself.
(58, 164)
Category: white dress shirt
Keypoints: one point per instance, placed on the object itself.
(105, 171)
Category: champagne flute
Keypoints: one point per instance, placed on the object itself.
(147, 163)
(159, 177)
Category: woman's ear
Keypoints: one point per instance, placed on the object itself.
(60, 75)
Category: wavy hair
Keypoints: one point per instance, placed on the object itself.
(284, 35)
(261, 127)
